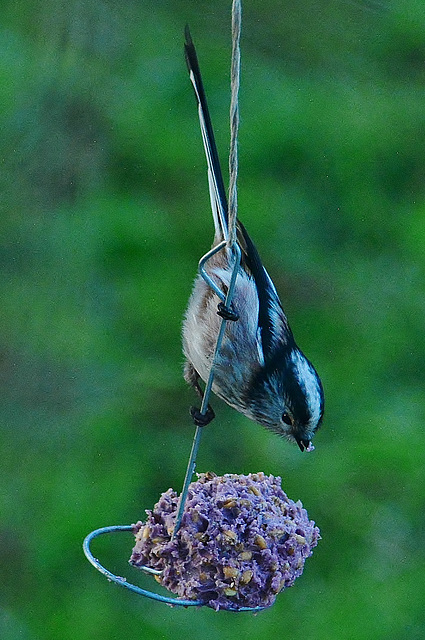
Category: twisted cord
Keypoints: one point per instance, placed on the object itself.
(234, 118)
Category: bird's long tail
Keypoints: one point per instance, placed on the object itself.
(215, 177)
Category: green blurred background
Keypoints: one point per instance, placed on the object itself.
(104, 214)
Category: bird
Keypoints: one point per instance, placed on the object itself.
(259, 371)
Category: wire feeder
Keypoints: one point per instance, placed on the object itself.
(229, 244)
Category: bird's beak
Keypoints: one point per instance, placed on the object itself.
(305, 445)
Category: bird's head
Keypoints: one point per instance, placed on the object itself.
(286, 396)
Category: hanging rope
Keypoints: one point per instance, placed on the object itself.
(234, 118)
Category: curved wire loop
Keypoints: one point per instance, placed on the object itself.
(122, 581)
(201, 267)
(132, 587)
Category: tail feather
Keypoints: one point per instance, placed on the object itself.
(215, 177)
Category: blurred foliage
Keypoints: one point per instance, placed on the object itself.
(105, 213)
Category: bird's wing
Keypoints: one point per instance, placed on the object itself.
(275, 333)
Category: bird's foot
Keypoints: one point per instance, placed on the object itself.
(202, 419)
(226, 312)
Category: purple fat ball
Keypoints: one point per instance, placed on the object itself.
(241, 541)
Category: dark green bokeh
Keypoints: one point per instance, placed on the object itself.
(105, 212)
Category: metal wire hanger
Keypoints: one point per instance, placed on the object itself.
(232, 244)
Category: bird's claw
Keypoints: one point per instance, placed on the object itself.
(202, 419)
(226, 312)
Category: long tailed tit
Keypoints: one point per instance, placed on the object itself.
(260, 370)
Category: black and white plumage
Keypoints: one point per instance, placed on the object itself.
(260, 371)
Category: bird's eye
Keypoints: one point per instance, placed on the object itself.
(286, 418)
